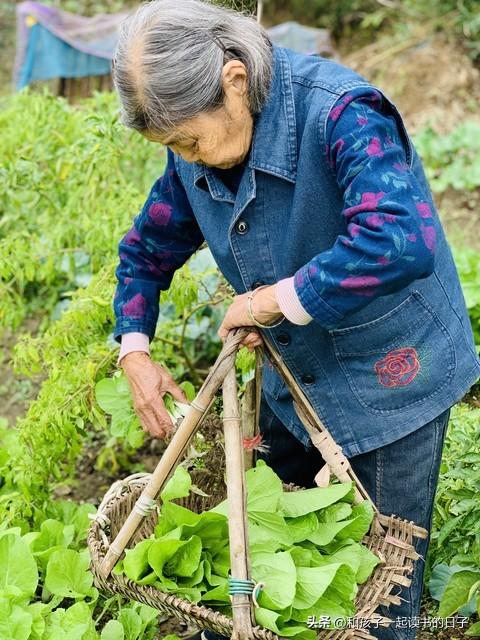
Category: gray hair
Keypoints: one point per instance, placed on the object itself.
(169, 60)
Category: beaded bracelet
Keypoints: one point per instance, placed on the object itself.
(250, 312)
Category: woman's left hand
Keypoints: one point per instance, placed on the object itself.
(265, 310)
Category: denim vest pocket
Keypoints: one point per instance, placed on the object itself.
(397, 360)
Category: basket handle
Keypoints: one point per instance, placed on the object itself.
(176, 448)
(331, 452)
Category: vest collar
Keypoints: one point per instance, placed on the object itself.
(274, 143)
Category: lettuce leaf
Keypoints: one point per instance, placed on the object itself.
(299, 503)
(18, 569)
(312, 583)
(178, 486)
(278, 573)
(278, 624)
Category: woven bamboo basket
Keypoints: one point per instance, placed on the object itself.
(391, 538)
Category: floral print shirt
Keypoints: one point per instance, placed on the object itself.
(390, 238)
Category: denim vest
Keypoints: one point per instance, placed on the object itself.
(268, 231)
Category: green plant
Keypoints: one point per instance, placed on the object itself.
(463, 18)
(468, 265)
(47, 592)
(339, 17)
(455, 537)
(454, 552)
(458, 589)
(453, 160)
(71, 181)
(113, 396)
(440, 579)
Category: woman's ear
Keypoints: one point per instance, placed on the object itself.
(235, 89)
(235, 78)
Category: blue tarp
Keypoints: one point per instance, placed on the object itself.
(52, 43)
(49, 57)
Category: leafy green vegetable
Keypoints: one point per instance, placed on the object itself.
(278, 574)
(113, 630)
(15, 621)
(264, 491)
(176, 409)
(302, 526)
(276, 622)
(299, 503)
(53, 535)
(270, 529)
(305, 550)
(113, 396)
(178, 486)
(75, 622)
(135, 563)
(131, 623)
(18, 569)
(68, 575)
(312, 582)
(175, 557)
(359, 558)
(460, 589)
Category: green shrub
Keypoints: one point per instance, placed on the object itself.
(453, 160)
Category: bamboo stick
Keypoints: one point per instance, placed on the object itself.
(248, 420)
(314, 425)
(341, 468)
(175, 450)
(237, 505)
(259, 11)
(259, 355)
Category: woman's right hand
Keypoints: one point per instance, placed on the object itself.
(148, 383)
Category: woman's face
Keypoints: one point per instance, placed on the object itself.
(219, 138)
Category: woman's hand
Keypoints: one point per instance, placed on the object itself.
(265, 310)
(149, 382)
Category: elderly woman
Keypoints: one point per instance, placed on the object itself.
(302, 179)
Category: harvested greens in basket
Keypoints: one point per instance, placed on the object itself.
(305, 548)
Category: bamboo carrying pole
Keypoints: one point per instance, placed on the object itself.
(237, 505)
(321, 438)
(175, 450)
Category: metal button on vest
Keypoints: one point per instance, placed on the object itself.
(257, 284)
(307, 378)
(241, 227)
(284, 339)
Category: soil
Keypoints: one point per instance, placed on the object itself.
(432, 81)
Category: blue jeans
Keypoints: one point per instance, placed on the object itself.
(400, 478)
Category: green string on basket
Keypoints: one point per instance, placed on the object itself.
(237, 586)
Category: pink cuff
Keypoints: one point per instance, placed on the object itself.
(289, 304)
(133, 342)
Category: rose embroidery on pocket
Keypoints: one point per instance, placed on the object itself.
(398, 368)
